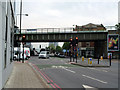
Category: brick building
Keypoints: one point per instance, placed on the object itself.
(87, 48)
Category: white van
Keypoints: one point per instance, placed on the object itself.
(26, 53)
(16, 51)
(44, 54)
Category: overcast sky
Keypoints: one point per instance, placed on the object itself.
(66, 13)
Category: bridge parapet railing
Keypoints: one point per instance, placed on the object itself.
(46, 30)
(53, 30)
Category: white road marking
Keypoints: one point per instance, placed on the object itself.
(69, 70)
(89, 87)
(97, 69)
(104, 71)
(86, 86)
(65, 68)
(95, 79)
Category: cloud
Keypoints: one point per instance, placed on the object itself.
(53, 13)
(48, 1)
(65, 14)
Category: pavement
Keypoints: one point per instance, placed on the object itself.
(24, 76)
(93, 62)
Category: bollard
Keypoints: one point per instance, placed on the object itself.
(110, 59)
(82, 58)
(98, 59)
(88, 60)
(101, 57)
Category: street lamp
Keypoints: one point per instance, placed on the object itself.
(20, 23)
(23, 14)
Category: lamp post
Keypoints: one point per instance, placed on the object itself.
(20, 37)
(20, 27)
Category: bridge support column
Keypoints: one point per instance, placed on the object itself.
(100, 49)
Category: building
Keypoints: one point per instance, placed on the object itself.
(7, 22)
(90, 27)
(119, 12)
(87, 48)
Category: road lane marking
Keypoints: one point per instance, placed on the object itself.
(104, 71)
(86, 86)
(65, 68)
(95, 79)
(89, 87)
(97, 69)
(69, 70)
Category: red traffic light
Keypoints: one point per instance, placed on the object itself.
(76, 37)
(23, 36)
(70, 39)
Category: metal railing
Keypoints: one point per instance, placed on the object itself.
(53, 30)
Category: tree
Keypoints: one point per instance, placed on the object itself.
(66, 45)
(58, 49)
(52, 48)
(118, 26)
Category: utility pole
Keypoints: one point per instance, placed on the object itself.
(20, 27)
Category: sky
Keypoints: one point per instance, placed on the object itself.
(66, 13)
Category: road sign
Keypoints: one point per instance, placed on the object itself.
(64, 50)
(67, 50)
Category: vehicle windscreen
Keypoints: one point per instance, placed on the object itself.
(43, 52)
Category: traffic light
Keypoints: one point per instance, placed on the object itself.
(76, 41)
(71, 42)
(23, 38)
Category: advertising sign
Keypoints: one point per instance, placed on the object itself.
(113, 42)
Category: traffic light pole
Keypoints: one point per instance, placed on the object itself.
(73, 43)
(70, 56)
(23, 53)
(110, 59)
(76, 54)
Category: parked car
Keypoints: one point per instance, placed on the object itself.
(44, 54)
(62, 56)
(51, 55)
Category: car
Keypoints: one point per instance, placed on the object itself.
(44, 54)
(62, 56)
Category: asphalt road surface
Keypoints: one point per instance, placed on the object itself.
(66, 75)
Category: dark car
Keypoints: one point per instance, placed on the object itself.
(62, 56)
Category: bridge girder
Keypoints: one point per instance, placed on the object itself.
(63, 37)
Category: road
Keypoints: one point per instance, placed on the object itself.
(66, 75)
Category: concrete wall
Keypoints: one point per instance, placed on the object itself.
(5, 72)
